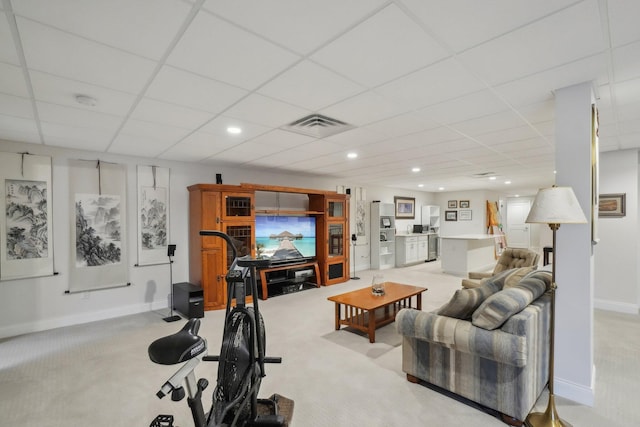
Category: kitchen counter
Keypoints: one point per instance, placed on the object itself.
(467, 252)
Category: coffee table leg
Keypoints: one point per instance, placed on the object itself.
(337, 316)
(372, 326)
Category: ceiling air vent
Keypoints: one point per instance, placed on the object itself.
(318, 126)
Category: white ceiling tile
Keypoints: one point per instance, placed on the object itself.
(492, 122)
(356, 137)
(153, 131)
(629, 111)
(403, 124)
(465, 23)
(144, 27)
(219, 125)
(310, 86)
(279, 140)
(626, 62)
(8, 51)
(15, 106)
(56, 52)
(627, 92)
(364, 109)
(539, 87)
(526, 50)
(193, 91)
(154, 111)
(130, 145)
(12, 81)
(465, 107)
(538, 112)
(439, 82)
(312, 22)
(382, 48)
(18, 129)
(78, 117)
(506, 135)
(630, 141)
(524, 144)
(61, 91)
(81, 138)
(198, 146)
(623, 21)
(265, 111)
(214, 48)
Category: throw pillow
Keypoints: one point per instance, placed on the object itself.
(465, 301)
(499, 307)
(515, 275)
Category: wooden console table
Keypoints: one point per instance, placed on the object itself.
(366, 312)
(264, 272)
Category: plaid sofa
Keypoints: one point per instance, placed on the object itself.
(503, 368)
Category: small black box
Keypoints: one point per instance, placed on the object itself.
(188, 299)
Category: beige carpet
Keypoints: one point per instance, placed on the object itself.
(99, 374)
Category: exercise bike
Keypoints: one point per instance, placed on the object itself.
(240, 363)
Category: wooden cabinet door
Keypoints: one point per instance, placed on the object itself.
(210, 218)
(213, 282)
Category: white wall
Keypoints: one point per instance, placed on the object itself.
(477, 204)
(616, 254)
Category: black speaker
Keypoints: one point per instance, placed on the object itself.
(348, 191)
(218, 178)
(189, 299)
(171, 250)
(354, 238)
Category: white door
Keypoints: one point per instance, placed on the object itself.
(518, 231)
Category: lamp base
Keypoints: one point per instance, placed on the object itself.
(548, 418)
(173, 318)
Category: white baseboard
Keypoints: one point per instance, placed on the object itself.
(576, 392)
(620, 307)
(77, 319)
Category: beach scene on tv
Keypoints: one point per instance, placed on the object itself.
(285, 237)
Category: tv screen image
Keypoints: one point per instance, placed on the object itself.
(285, 238)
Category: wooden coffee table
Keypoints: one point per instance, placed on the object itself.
(366, 312)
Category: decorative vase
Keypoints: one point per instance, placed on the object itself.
(377, 285)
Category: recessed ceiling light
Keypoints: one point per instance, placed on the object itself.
(352, 155)
(415, 169)
(492, 178)
(234, 130)
(86, 100)
(517, 195)
(507, 182)
(441, 188)
(420, 185)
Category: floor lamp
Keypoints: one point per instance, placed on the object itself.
(171, 250)
(553, 206)
(354, 238)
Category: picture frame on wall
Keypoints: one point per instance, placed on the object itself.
(450, 215)
(612, 205)
(464, 204)
(464, 215)
(452, 204)
(405, 207)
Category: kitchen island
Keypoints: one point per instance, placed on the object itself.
(467, 252)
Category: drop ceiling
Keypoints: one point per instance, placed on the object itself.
(461, 89)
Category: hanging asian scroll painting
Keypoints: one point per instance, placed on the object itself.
(98, 220)
(98, 230)
(153, 215)
(26, 235)
(26, 219)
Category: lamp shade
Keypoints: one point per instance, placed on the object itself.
(556, 205)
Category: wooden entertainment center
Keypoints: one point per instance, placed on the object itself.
(231, 209)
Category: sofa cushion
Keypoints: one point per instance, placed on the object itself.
(515, 275)
(499, 307)
(465, 301)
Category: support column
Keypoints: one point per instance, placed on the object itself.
(574, 367)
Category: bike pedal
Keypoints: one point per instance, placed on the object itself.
(162, 421)
(269, 421)
(177, 394)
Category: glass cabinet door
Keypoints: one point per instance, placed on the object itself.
(336, 209)
(336, 239)
(242, 236)
(237, 205)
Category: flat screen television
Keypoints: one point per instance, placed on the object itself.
(286, 238)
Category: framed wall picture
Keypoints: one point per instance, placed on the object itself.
(452, 204)
(405, 207)
(464, 214)
(612, 205)
(450, 215)
(464, 204)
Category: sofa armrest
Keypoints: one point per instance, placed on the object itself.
(462, 336)
(477, 275)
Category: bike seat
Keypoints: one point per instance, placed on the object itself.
(179, 347)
